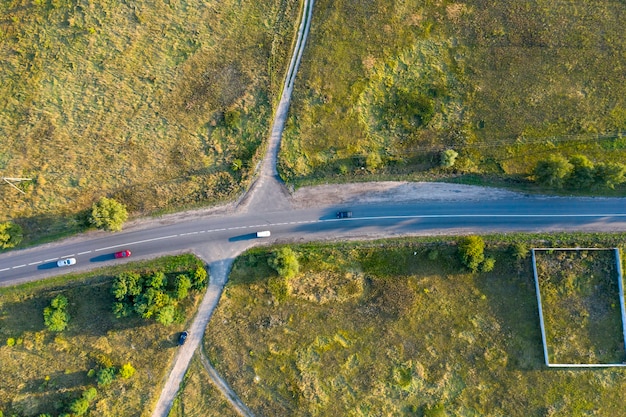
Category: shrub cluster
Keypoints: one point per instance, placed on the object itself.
(153, 295)
(578, 173)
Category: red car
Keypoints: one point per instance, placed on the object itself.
(122, 254)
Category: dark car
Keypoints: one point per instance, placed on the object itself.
(182, 338)
(122, 254)
(344, 214)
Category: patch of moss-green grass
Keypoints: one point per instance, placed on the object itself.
(160, 105)
(415, 333)
(580, 302)
(44, 371)
(385, 88)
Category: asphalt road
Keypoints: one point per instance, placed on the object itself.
(534, 214)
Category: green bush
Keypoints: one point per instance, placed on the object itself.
(488, 265)
(10, 235)
(448, 158)
(127, 371)
(471, 250)
(199, 279)
(520, 250)
(609, 174)
(105, 376)
(436, 410)
(55, 317)
(553, 171)
(10, 342)
(108, 214)
(182, 284)
(581, 177)
(166, 315)
(285, 262)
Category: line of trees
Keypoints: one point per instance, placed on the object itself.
(578, 173)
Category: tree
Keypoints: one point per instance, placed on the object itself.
(182, 283)
(609, 174)
(520, 250)
(373, 161)
(488, 264)
(157, 280)
(10, 235)
(108, 214)
(105, 376)
(59, 302)
(54, 316)
(553, 171)
(471, 249)
(199, 279)
(166, 315)
(448, 158)
(79, 406)
(127, 371)
(285, 262)
(581, 177)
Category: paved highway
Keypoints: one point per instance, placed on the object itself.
(522, 214)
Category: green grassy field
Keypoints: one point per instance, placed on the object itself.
(580, 302)
(43, 372)
(398, 328)
(385, 87)
(159, 104)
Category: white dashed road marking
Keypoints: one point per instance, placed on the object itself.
(84, 253)
(50, 260)
(19, 266)
(136, 243)
(35, 263)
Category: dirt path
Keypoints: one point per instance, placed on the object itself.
(223, 387)
(267, 193)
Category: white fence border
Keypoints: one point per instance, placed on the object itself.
(620, 285)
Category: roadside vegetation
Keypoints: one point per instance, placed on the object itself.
(581, 307)
(399, 327)
(478, 91)
(63, 350)
(160, 106)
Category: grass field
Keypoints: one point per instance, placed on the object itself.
(159, 104)
(398, 328)
(385, 87)
(580, 302)
(43, 372)
(198, 397)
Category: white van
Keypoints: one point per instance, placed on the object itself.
(265, 233)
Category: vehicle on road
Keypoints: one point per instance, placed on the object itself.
(182, 338)
(344, 214)
(66, 262)
(122, 254)
(264, 233)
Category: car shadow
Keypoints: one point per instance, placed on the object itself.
(48, 265)
(102, 258)
(247, 236)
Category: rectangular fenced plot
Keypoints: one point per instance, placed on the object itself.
(581, 306)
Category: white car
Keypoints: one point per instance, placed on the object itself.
(66, 262)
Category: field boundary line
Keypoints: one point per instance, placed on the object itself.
(544, 340)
